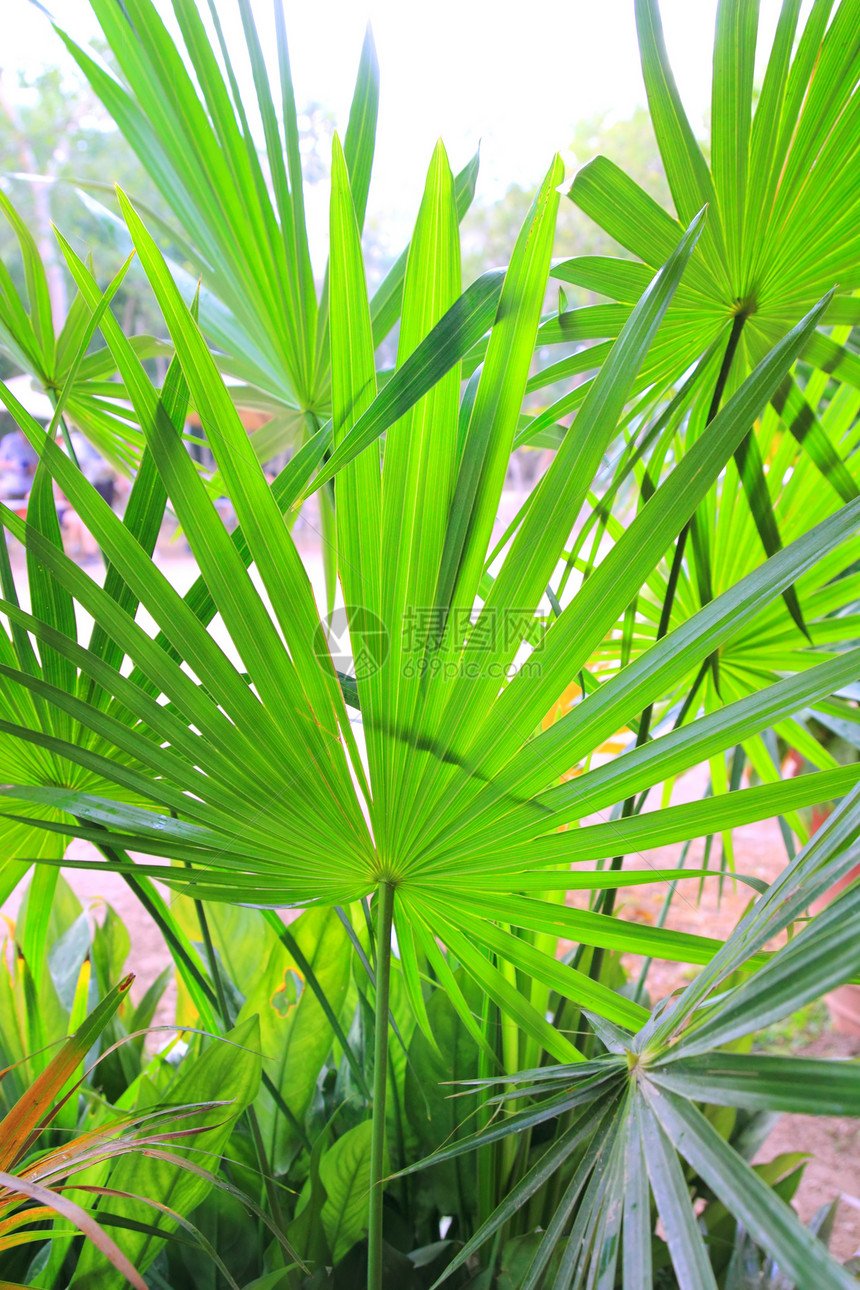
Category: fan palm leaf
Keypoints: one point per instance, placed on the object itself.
(782, 229)
(238, 208)
(630, 1126)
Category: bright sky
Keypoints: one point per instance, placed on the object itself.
(517, 76)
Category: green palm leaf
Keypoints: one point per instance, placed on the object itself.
(55, 360)
(244, 234)
(782, 229)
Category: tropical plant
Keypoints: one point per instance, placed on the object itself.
(44, 1003)
(772, 643)
(760, 264)
(36, 1207)
(144, 512)
(432, 793)
(36, 1190)
(57, 359)
(782, 225)
(463, 805)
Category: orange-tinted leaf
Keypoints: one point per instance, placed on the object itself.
(25, 1117)
(82, 1220)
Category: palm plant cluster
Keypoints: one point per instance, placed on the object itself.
(409, 1084)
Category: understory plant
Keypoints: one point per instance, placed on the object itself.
(422, 769)
(66, 1148)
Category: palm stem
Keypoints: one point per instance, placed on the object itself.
(486, 1157)
(385, 912)
(606, 904)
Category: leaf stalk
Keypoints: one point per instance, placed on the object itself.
(385, 913)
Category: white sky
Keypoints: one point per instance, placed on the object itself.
(516, 76)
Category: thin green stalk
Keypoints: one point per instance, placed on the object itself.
(725, 367)
(485, 1156)
(385, 913)
(703, 570)
(211, 956)
(399, 1113)
(661, 922)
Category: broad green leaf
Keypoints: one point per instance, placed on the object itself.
(226, 1072)
(295, 1036)
(345, 1175)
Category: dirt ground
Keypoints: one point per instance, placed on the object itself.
(833, 1144)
